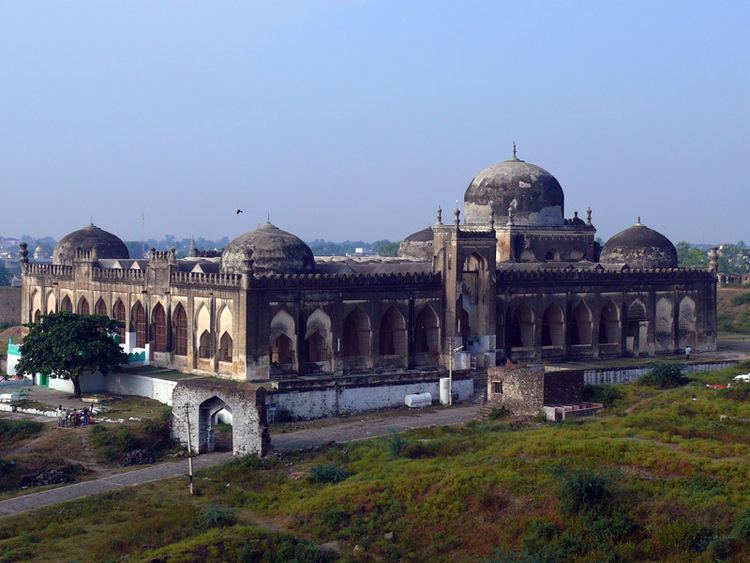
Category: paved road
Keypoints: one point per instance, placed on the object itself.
(343, 432)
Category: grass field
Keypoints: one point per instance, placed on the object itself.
(658, 476)
(733, 310)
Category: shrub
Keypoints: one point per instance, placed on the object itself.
(214, 516)
(664, 376)
(420, 451)
(741, 527)
(684, 536)
(396, 445)
(328, 473)
(739, 393)
(333, 518)
(741, 299)
(612, 529)
(18, 429)
(584, 490)
(607, 395)
(497, 414)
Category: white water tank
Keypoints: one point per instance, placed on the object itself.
(418, 400)
(445, 390)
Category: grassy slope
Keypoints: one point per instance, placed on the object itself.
(678, 473)
(733, 315)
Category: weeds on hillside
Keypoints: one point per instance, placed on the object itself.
(664, 376)
(328, 473)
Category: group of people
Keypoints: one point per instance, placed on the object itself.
(71, 418)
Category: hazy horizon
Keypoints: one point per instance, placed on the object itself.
(356, 119)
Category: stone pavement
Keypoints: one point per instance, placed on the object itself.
(347, 431)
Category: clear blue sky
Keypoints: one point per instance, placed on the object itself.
(355, 119)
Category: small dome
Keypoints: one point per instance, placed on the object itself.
(640, 247)
(89, 238)
(274, 251)
(539, 198)
(417, 245)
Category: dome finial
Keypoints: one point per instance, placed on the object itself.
(639, 220)
(268, 217)
(514, 151)
(439, 215)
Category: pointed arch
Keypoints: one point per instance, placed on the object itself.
(225, 347)
(159, 319)
(581, 325)
(66, 305)
(686, 322)
(609, 324)
(180, 331)
(355, 341)
(553, 326)
(664, 325)
(427, 331)
(118, 314)
(522, 329)
(138, 324)
(392, 333)
(464, 326)
(283, 335)
(83, 306)
(317, 336)
(224, 321)
(51, 303)
(100, 308)
(637, 311)
(205, 345)
(552, 255)
(474, 263)
(37, 316)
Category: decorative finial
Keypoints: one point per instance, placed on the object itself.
(457, 217)
(514, 151)
(588, 216)
(268, 218)
(639, 220)
(439, 215)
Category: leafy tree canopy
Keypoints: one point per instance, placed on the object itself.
(67, 346)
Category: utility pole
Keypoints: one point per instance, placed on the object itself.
(190, 447)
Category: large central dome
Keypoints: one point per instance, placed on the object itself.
(538, 196)
(90, 238)
(274, 251)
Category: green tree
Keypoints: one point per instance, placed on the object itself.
(67, 346)
(690, 257)
(5, 275)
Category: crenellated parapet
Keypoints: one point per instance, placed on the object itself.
(118, 275)
(273, 281)
(600, 273)
(206, 279)
(59, 271)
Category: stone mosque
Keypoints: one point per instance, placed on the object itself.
(513, 279)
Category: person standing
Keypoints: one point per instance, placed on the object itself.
(60, 417)
(688, 351)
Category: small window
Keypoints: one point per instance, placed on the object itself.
(497, 387)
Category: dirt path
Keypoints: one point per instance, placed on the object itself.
(345, 432)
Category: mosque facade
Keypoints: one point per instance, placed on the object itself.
(513, 279)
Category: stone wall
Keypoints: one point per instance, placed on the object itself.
(520, 389)
(563, 388)
(629, 375)
(10, 306)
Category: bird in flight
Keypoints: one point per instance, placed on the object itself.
(239, 211)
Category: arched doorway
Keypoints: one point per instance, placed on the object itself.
(427, 332)
(180, 331)
(118, 314)
(581, 325)
(609, 324)
(100, 309)
(636, 337)
(392, 333)
(83, 306)
(282, 339)
(138, 325)
(355, 340)
(317, 336)
(214, 413)
(664, 325)
(159, 318)
(553, 326)
(522, 329)
(66, 305)
(686, 322)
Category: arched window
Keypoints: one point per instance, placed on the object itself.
(83, 306)
(118, 313)
(66, 305)
(316, 336)
(609, 324)
(100, 308)
(225, 348)
(464, 326)
(204, 345)
(159, 318)
(553, 327)
(316, 348)
(686, 322)
(522, 330)
(552, 255)
(392, 333)
(282, 350)
(37, 316)
(138, 325)
(355, 339)
(180, 331)
(581, 326)
(427, 331)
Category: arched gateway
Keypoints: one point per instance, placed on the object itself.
(199, 402)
